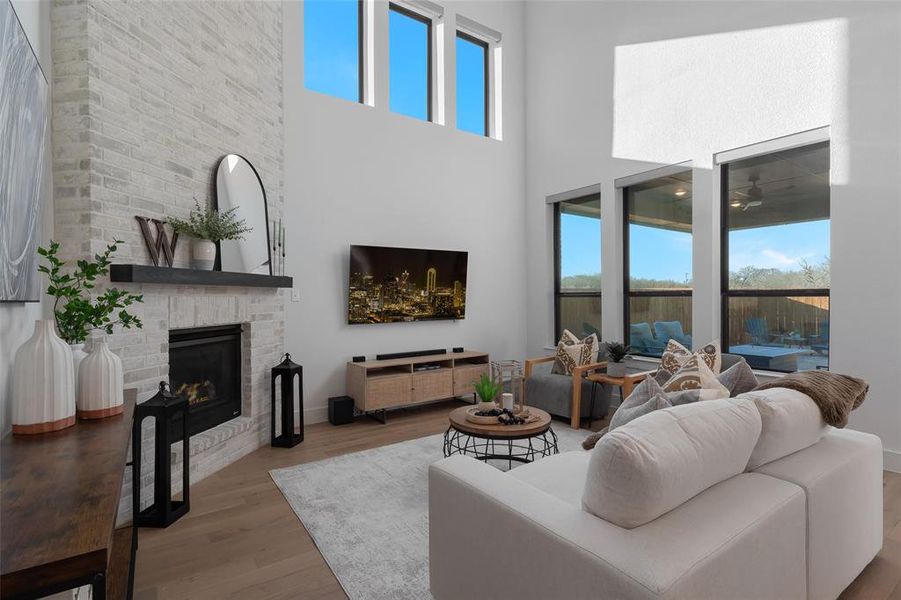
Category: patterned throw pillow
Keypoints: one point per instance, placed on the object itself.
(573, 352)
(675, 355)
(635, 405)
(694, 375)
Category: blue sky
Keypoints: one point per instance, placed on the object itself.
(470, 87)
(408, 68)
(330, 48)
(662, 254)
(580, 245)
(779, 247)
(331, 62)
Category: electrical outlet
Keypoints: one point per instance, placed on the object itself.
(295, 294)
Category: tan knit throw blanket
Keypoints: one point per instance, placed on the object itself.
(836, 395)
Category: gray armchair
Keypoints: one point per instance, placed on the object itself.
(567, 396)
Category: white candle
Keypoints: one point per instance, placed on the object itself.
(507, 400)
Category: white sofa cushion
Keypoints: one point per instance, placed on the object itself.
(743, 538)
(842, 477)
(790, 421)
(561, 475)
(651, 465)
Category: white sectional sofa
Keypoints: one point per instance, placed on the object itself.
(801, 524)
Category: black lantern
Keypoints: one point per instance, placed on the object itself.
(288, 371)
(165, 409)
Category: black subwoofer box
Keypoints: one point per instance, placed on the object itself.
(340, 410)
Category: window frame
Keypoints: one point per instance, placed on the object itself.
(429, 23)
(487, 96)
(361, 55)
(558, 200)
(628, 293)
(725, 292)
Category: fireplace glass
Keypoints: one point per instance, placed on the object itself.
(205, 368)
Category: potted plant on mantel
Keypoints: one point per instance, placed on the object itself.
(208, 226)
(616, 358)
(51, 378)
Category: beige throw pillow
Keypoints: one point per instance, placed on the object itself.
(696, 375)
(675, 355)
(573, 352)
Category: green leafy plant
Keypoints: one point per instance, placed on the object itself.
(487, 389)
(207, 223)
(75, 312)
(617, 351)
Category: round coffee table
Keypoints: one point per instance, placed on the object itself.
(519, 443)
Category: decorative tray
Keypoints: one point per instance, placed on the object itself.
(473, 418)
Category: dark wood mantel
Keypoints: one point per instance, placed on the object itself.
(177, 276)
(58, 503)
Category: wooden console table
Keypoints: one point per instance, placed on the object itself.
(58, 504)
(378, 385)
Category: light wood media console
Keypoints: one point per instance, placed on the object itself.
(379, 385)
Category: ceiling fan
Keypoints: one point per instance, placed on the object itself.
(754, 195)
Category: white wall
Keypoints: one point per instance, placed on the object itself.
(17, 319)
(615, 88)
(356, 174)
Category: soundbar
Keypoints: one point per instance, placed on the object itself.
(409, 354)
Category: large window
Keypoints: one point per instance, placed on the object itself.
(657, 255)
(332, 48)
(577, 265)
(410, 72)
(472, 84)
(775, 273)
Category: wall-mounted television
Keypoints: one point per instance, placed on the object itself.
(392, 285)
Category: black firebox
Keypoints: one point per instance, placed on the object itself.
(205, 368)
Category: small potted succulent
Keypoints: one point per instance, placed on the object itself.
(616, 358)
(487, 390)
(208, 226)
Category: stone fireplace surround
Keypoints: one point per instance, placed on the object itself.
(145, 358)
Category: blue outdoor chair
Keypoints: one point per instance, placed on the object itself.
(642, 341)
(759, 331)
(820, 343)
(671, 330)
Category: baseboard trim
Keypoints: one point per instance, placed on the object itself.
(315, 415)
(891, 460)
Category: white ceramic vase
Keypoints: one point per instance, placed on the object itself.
(100, 383)
(78, 355)
(43, 383)
(203, 254)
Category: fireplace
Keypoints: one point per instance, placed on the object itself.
(205, 368)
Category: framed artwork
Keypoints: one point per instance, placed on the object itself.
(23, 132)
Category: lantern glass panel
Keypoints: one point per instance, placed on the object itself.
(508, 374)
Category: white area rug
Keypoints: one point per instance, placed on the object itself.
(368, 513)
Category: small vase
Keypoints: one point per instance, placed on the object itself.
(78, 355)
(43, 383)
(203, 253)
(100, 383)
(616, 369)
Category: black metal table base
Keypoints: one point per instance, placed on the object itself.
(522, 449)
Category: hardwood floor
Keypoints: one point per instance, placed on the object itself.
(242, 540)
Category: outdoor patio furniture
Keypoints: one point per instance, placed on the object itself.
(642, 341)
(671, 330)
(820, 343)
(770, 358)
(758, 330)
